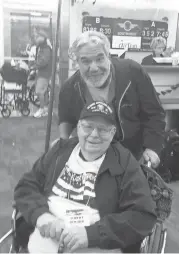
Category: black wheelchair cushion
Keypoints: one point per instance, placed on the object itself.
(12, 74)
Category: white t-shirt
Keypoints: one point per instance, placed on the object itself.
(75, 184)
(74, 191)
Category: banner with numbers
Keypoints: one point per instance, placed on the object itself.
(100, 24)
(135, 34)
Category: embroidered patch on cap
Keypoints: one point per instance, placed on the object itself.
(100, 107)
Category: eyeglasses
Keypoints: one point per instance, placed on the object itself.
(103, 132)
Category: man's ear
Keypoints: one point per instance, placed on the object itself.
(78, 126)
(113, 131)
(75, 65)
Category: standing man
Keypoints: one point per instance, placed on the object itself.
(121, 83)
(43, 66)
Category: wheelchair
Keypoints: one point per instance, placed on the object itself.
(15, 98)
(155, 242)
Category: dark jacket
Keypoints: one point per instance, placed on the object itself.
(140, 116)
(44, 61)
(122, 195)
(148, 60)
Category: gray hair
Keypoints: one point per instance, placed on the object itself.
(95, 37)
(158, 41)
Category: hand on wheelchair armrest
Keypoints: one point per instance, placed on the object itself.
(152, 157)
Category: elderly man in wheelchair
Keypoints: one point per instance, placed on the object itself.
(89, 194)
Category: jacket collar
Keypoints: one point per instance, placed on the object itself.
(121, 78)
(68, 147)
(112, 162)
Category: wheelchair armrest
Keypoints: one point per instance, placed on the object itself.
(15, 216)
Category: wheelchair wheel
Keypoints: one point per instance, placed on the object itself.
(6, 242)
(6, 112)
(163, 242)
(25, 111)
(33, 97)
(155, 239)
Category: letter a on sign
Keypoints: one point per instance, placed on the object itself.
(97, 20)
(153, 24)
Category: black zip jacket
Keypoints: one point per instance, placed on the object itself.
(140, 116)
(123, 196)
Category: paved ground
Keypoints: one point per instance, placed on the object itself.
(21, 143)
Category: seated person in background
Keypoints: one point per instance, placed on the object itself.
(90, 177)
(158, 46)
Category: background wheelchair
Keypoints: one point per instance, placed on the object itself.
(155, 242)
(14, 97)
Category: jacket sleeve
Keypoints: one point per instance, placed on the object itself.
(136, 214)
(28, 193)
(65, 104)
(69, 103)
(152, 115)
(43, 58)
(148, 60)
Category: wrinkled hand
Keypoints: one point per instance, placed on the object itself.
(43, 223)
(45, 219)
(151, 156)
(50, 227)
(73, 238)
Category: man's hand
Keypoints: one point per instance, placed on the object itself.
(73, 238)
(45, 219)
(52, 228)
(43, 223)
(55, 229)
(151, 156)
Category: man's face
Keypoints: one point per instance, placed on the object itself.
(94, 65)
(95, 135)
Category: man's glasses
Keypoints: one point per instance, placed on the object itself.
(103, 132)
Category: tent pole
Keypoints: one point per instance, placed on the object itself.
(54, 61)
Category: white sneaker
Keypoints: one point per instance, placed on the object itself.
(39, 113)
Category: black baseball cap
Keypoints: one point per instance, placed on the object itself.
(98, 108)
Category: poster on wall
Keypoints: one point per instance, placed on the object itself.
(136, 35)
(152, 29)
(127, 33)
(100, 24)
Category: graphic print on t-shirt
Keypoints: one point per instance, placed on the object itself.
(77, 187)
